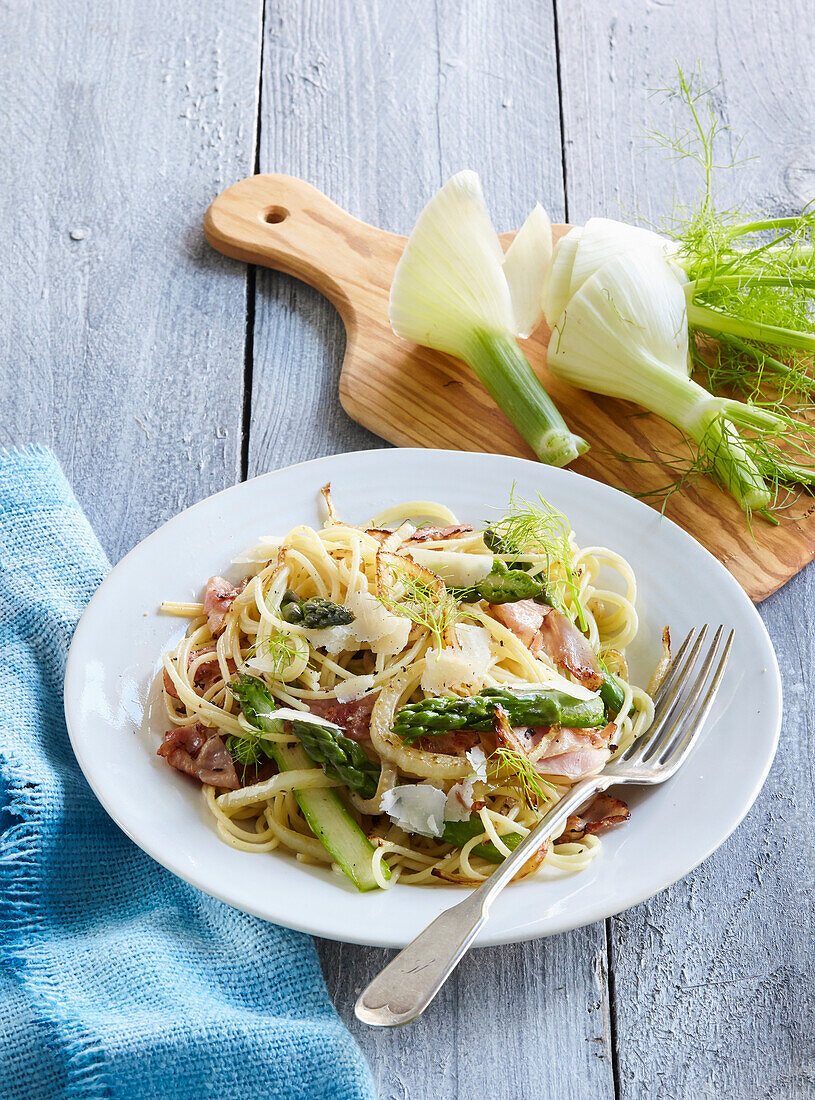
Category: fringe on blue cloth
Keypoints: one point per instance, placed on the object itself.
(118, 980)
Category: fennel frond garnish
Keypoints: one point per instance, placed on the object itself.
(280, 648)
(406, 588)
(517, 771)
(540, 529)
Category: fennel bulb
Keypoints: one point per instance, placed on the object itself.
(455, 291)
(624, 333)
(586, 248)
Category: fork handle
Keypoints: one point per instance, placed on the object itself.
(407, 985)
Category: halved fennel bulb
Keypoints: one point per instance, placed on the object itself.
(451, 292)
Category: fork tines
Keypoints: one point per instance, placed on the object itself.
(682, 701)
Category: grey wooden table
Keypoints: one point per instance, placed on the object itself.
(161, 372)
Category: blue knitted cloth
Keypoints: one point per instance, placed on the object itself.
(116, 979)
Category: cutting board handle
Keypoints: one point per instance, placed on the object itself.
(285, 223)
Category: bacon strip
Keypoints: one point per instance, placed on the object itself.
(603, 812)
(197, 751)
(453, 743)
(435, 534)
(209, 671)
(169, 686)
(523, 618)
(219, 595)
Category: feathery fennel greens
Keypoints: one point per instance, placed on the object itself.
(517, 771)
(540, 529)
(750, 297)
(750, 278)
(416, 593)
(279, 647)
(629, 308)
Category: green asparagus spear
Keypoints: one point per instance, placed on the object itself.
(532, 708)
(501, 585)
(327, 816)
(498, 545)
(314, 613)
(612, 694)
(340, 757)
(505, 585)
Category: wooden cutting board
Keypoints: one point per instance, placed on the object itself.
(412, 396)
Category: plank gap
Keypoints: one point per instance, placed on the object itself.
(251, 281)
(560, 112)
(611, 993)
(248, 358)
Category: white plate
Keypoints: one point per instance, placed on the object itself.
(117, 646)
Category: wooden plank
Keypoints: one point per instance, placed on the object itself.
(713, 983)
(123, 332)
(530, 1020)
(375, 103)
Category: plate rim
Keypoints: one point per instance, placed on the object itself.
(595, 912)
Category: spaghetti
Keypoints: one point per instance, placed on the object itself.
(401, 618)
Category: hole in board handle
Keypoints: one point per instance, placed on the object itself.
(276, 214)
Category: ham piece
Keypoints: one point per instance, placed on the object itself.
(563, 644)
(546, 630)
(354, 716)
(169, 686)
(523, 618)
(207, 672)
(603, 812)
(210, 670)
(576, 753)
(219, 596)
(453, 743)
(201, 753)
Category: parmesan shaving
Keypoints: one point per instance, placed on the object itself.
(459, 804)
(417, 808)
(374, 627)
(454, 567)
(464, 666)
(353, 688)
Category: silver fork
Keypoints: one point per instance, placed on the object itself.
(407, 985)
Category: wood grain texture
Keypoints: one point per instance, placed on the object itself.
(123, 333)
(375, 103)
(713, 978)
(529, 1020)
(414, 396)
